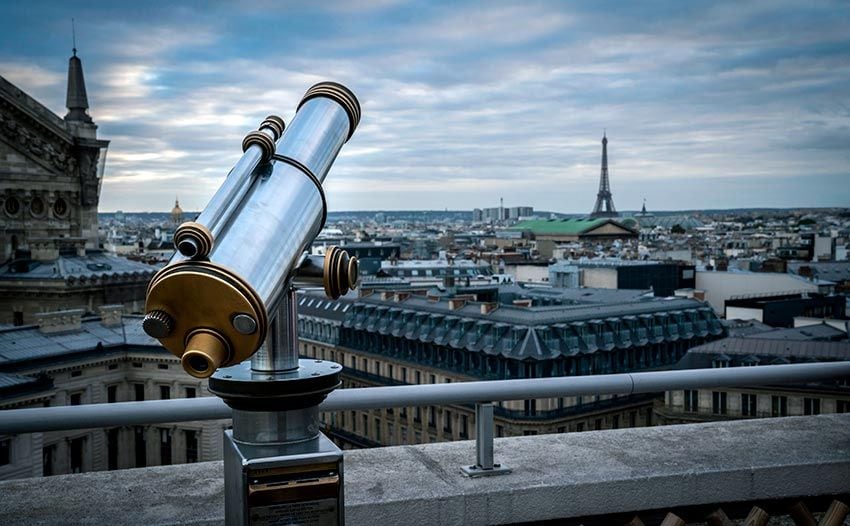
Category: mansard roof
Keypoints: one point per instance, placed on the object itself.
(577, 325)
(77, 269)
(28, 344)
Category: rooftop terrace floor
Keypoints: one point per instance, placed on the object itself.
(554, 477)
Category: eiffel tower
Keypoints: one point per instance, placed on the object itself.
(604, 200)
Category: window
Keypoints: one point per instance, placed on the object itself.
(164, 392)
(718, 402)
(191, 392)
(76, 448)
(165, 447)
(417, 414)
(615, 422)
(5, 451)
(75, 374)
(748, 404)
(365, 429)
(529, 432)
(76, 398)
(390, 371)
(432, 379)
(191, 445)
(140, 446)
(447, 421)
(633, 419)
(365, 365)
(48, 454)
(418, 376)
(404, 374)
(112, 449)
(112, 366)
(377, 430)
(811, 406)
(377, 368)
(139, 390)
(112, 394)
(580, 427)
(778, 405)
(464, 426)
(530, 407)
(691, 401)
(432, 416)
(162, 366)
(597, 424)
(137, 365)
(842, 406)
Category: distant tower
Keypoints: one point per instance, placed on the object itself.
(604, 201)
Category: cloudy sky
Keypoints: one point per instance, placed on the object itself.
(706, 104)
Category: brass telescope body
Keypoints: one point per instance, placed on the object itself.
(212, 304)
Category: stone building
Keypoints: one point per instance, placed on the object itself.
(490, 333)
(69, 360)
(821, 343)
(51, 169)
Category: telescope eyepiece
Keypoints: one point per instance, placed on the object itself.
(205, 352)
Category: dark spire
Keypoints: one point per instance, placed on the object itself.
(76, 101)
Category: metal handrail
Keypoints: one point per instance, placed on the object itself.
(15, 421)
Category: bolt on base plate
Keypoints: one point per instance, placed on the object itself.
(476, 471)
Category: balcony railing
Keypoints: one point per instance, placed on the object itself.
(211, 408)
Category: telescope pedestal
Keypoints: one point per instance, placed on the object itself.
(284, 483)
(278, 468)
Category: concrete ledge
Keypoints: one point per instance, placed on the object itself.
(555, 476)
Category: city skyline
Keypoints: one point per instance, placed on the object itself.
(748, 110)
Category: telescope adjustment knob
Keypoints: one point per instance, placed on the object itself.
(340, 272)
(158, 324)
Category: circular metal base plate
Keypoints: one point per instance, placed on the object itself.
(242, 388)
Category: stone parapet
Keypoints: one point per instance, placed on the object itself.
(554, 477)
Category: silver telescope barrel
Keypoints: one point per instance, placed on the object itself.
(265, 242)
(215, 311)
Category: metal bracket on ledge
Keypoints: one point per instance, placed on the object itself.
(484, 466)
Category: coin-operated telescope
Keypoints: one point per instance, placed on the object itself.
(228, 295)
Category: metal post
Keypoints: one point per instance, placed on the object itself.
(280, 351)
(484, 465)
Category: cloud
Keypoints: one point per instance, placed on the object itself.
(465, 103)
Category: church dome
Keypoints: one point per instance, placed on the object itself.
(177, 213)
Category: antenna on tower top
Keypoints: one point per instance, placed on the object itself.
(74, 37)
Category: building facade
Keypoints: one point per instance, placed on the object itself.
(393, 338)
(51, 169)
(688, 406)
(68, 361)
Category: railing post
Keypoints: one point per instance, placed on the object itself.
(484, 464)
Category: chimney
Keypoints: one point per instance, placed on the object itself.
(60, 321)
(401, 296)
(455, 303)
(364, 292)
(487, 308)
(110, 315)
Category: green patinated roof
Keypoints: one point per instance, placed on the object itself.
(560, 226)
